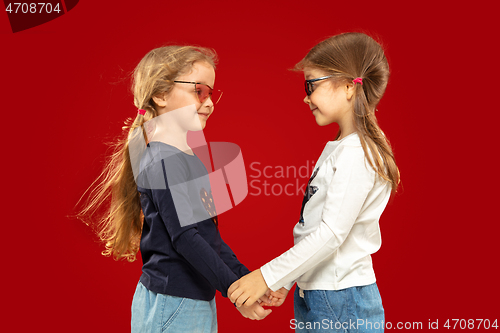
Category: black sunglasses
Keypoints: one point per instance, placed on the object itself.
(309, 84)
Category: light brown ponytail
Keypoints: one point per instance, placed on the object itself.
(349, 56)
(115, 190)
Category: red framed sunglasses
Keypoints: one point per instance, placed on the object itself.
(204, 91)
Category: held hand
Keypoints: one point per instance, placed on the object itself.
(278, 297)
(254, 312)
(265, 298)
(248, 289)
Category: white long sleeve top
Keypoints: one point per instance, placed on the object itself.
(340, 226)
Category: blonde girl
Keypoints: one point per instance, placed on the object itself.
(338, 229)
(148, 205)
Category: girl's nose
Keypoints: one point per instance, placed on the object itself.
(306, 99)
(209, 102)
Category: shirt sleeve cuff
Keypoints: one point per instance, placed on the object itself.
(273, 285)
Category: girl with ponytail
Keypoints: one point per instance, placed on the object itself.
(154, 196)
(338, 229)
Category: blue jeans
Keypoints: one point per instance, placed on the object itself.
(155, 313)
(355, 309)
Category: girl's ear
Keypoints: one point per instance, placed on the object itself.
(349, 90)
(160, 100)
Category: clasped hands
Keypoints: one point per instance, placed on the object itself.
(250, 292)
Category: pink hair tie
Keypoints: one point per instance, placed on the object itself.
(358, 80)
(142, 112)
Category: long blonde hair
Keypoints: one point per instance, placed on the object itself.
(120, 225)
(346, 57)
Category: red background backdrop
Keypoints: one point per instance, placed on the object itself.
(65, 92)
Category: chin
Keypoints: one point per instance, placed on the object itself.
(319, 120)
(324, 122)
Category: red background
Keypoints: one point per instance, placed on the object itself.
(65, 93)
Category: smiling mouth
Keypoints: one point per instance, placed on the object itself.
(314, 109)
(203, 114)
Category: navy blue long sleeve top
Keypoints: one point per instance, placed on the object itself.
(182, 250)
